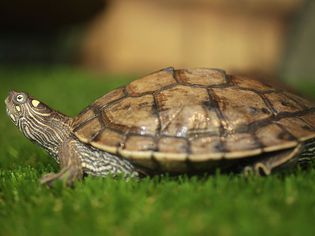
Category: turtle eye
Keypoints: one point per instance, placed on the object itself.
(20, 98)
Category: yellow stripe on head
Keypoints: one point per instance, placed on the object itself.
(18, 108)
(35, 103)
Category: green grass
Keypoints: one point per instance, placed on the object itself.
(217, 205)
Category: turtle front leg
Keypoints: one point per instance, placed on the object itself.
(70, 164)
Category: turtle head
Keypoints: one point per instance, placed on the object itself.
(22, 107)
(37, 121)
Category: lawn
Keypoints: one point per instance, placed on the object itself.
(282, 204)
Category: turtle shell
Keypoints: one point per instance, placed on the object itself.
(173, 118)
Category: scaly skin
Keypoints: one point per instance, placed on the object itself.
(52, 131)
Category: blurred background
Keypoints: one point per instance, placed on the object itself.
(266, 37)
(67, 53)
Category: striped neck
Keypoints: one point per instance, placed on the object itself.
(48, 130)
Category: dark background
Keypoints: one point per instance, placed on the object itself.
(94, 35)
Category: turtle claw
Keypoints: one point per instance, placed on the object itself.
(262, 169)
(259, 169)
(52, 178)
(48, 179)
(66, 175)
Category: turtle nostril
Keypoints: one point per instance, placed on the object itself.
(10, 97)
(12, 94)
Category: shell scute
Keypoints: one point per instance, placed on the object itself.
(140, 143)
(172, 145)
(189, 120)
(309, 119)
(248, 83)
(282, 103)
(184, 110)
(135, 114)
(240, 107)
(109, 139)
(278, 138)
(88, 131)
(302, 101)
(84, 116)
(151, 83)
(208, 144)
(201, 76)
(297, 127)
(110, 97)
(234, 143)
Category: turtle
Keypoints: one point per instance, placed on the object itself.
(176, 121)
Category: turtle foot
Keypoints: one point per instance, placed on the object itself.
(67, 175)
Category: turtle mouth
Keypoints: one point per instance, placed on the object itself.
(9, 113)
(6, 101)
